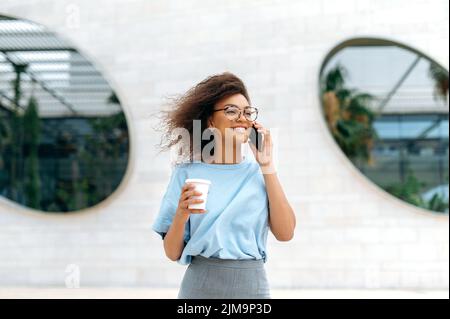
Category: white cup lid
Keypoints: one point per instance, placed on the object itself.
(197, 180)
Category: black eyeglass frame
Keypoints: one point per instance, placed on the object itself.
(240, 111)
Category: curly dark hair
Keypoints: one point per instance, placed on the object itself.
(197, 104)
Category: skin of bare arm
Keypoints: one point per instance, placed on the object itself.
(174, 239)
(282, 219)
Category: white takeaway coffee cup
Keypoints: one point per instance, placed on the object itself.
(201, 185)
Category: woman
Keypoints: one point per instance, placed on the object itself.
(224, 244)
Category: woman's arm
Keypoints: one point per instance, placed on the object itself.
(281, 216)
(174, 239)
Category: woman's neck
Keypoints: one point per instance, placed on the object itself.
(231, 155)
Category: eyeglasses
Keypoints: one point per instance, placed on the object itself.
(233, 112)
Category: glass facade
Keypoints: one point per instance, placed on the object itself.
(387, 108)
(64, 143)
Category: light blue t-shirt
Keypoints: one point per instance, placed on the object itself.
(235, 225)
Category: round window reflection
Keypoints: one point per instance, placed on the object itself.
(64, 142)
(386, 106)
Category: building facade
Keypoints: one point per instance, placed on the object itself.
(350, 233)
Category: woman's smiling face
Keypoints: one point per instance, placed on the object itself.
(237, 128)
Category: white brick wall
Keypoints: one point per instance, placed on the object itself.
(350, 234)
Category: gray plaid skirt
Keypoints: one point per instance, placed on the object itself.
(214, 278)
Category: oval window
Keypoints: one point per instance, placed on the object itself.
(64, 141)
(386, 106)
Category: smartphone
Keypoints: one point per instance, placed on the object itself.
(256, 138)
